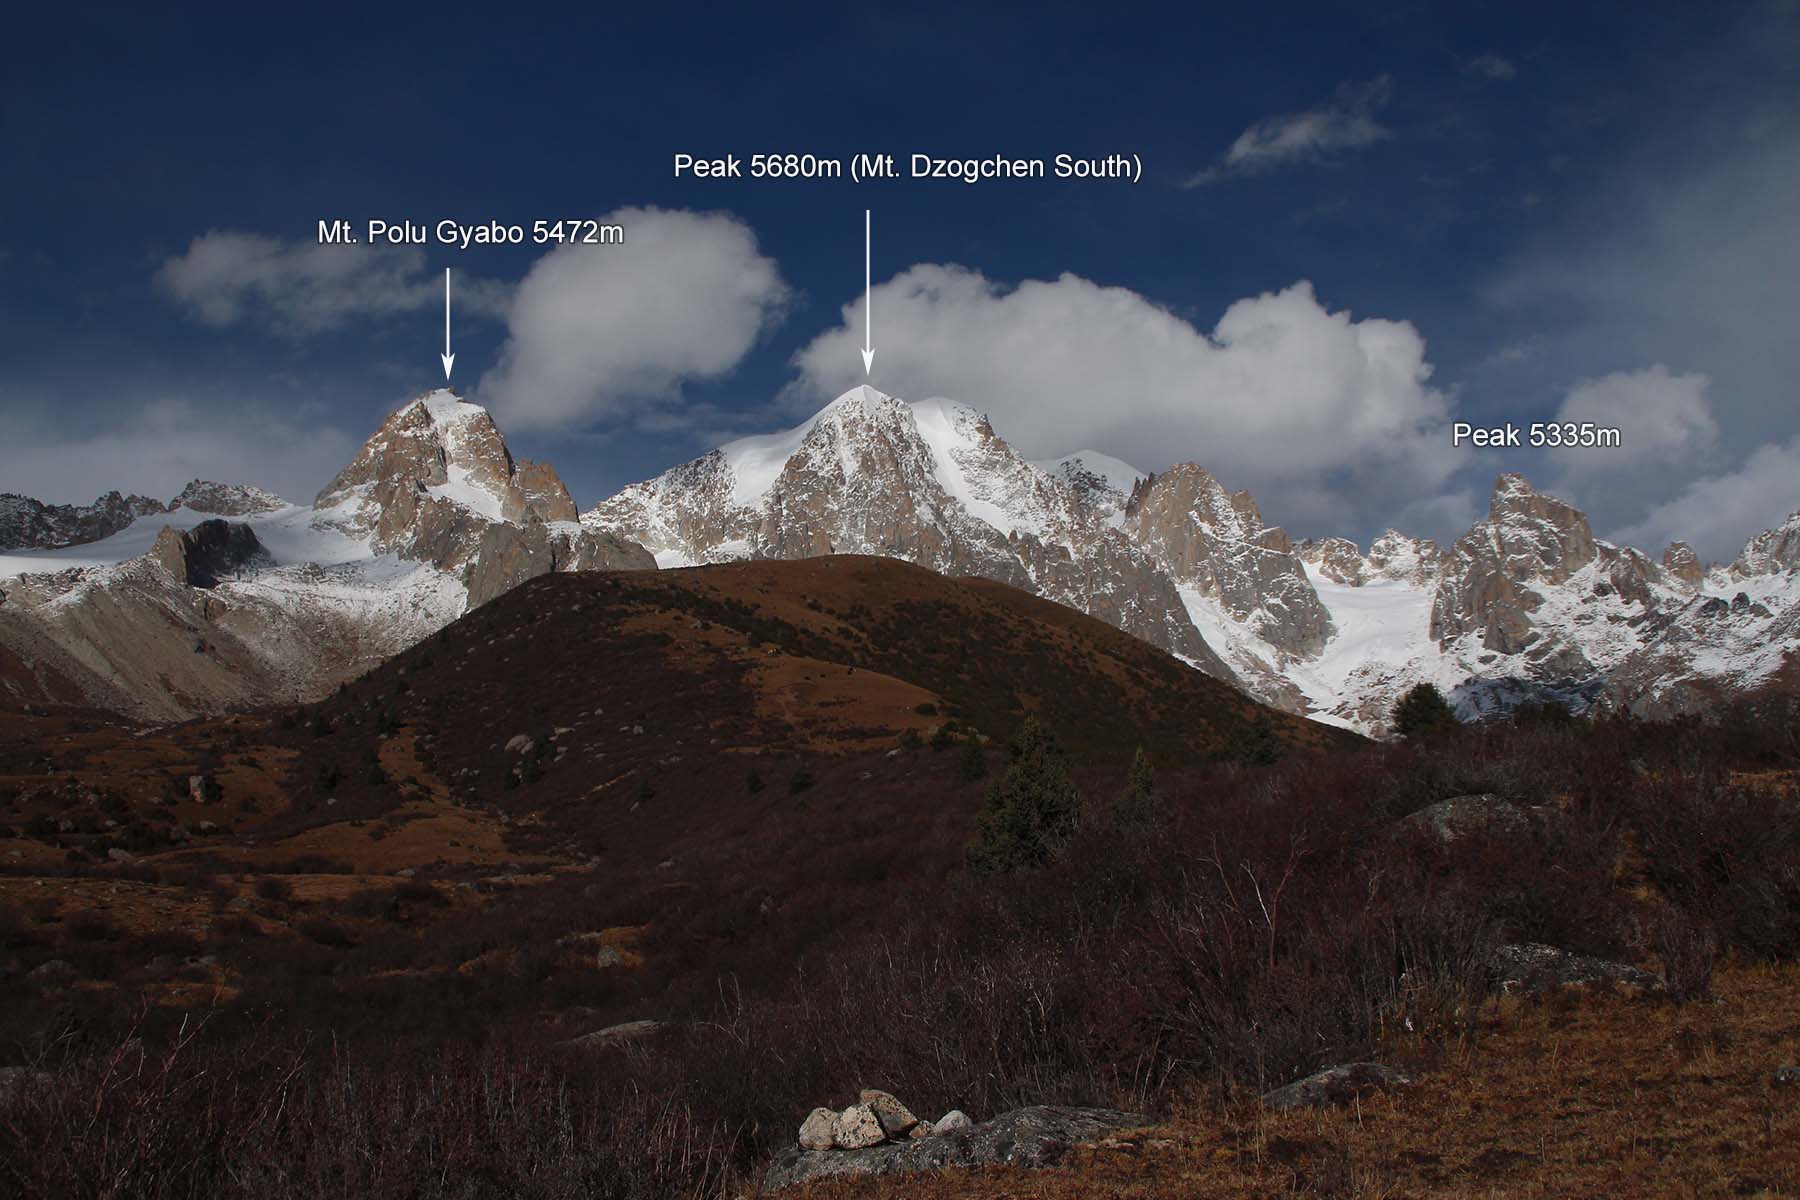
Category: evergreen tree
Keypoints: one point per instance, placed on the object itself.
(974, 761)
(1423, 710)
(1032, 812)
(1138, 803)
(1255, 742)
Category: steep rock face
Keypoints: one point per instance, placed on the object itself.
(26, 524)
(1337, 559)
(545, 495)
(432, 479)
(1100, 484)
(1216, 542)
(1403, 559)
(1770, 552)
(1487, 588)
(929, 482)
(1392, 556)
(209, 552)
(508, 555)
(1680, 562)
(226, 499)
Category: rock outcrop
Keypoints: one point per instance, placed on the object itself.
(1039, 1136)
(434, 479)
(507, 555)
(1215, 542)
(26, 524)
(1534, 968)
(1680, 562)
(209, 552)
(226, 499)
(1336, 558)
(1772, 552)
(1460, 818)
(1336, 1086)
(1488, 586)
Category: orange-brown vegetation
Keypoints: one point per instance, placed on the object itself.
(352, 960)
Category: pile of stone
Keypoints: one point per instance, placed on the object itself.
(878, 1136)
(875, 1118)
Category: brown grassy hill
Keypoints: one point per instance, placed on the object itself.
(689, 751)
(756, 648)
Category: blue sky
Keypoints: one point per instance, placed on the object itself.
(1356, 224)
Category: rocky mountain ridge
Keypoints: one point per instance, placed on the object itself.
(434, 516)
(27, 524)
(229, 595)
(1528, 605)
(932, 483)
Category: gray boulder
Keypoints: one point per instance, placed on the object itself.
(1039, 1136)
(1787, 1077)
(1462, 817)
(51, 974)
(1337, 1085)
(622, 1032)
(1534, 968)
(857, 1128)
(815, 1131)
(954, 1121)
(896, 1119)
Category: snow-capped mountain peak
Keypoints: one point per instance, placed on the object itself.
(432, 517)
(929, 481)
(1528, 604)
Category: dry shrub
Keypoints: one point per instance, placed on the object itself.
(1275, 922)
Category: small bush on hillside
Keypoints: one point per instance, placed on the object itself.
(753, 781)
(1256, 743)
(1423, 710)
(800, 780)
(326, 933)
(1032, 812)
(531, 763)
(1551, 713)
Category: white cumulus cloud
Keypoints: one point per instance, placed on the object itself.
(599, 333)
(1716, 513)
(1661, 417)
(228, 277)
(1333, 417)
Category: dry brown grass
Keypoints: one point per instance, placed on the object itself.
(1581, 1096)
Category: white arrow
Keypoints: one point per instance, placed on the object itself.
(868, 346)
(448, 357)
